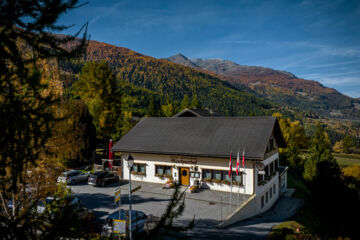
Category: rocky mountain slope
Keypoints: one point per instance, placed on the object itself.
(281, 87)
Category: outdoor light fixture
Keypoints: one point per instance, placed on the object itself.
(130, 161)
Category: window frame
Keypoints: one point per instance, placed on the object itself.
(223, 175)
(267, 197)
(164, 170)
(138, 167)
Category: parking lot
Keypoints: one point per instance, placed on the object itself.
(208, 207)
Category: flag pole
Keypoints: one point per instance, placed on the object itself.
(230, 191)
(244, 174)
(230, 175)
(237, 173)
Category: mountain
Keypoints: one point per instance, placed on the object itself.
(174, 81)
(281, 87)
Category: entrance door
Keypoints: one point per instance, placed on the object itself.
(184, 176)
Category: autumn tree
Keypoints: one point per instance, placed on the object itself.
(73, 139)
(352, 176)
(168, 110)
(295, 138)
(27, 100)
(348, 143)
(97, 88)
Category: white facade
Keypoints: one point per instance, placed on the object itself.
(199, 164)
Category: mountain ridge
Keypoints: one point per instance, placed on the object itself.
(281, 87)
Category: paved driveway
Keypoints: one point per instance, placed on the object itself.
(208, 208)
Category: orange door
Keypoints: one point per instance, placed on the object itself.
(184, 176)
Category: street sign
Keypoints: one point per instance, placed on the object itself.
(119, 226)
(117, 195)
(136, 189)
(262, 172)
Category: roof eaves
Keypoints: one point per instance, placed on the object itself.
(179, 154)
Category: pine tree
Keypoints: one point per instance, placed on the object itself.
(185, 103)
(152, 108)
(165, 227)
(320, 152)
(195, 103)
(98, 89)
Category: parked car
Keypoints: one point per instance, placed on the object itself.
(138, 220)
(102, 178)
(73, 176)
(42, 204)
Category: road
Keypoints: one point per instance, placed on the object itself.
(206, 207)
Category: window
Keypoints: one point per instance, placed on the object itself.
(262, 201)
(274, 189)
(260, 178)
(218, 176)
(194, 174)
(267, 171)
(271, 167)
(267, 197)
(207, 174)
(163, 170)
(237, 178)
(138, 168)
(276, 164)
(270, 193)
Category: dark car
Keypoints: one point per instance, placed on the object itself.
(102, 178)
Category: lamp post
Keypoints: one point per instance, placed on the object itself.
(130, 162)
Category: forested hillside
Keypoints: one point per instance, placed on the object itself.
(173, 81)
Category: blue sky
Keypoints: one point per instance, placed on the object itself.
(318, 40)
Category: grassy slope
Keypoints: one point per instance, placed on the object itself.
(345, 160)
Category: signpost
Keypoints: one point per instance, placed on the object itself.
(120, 226)
(118, 196)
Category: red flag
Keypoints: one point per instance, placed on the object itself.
(237, 163)
(243, 158)
(230, 166)
(111, 155)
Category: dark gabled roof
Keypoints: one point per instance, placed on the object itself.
(201, 136)
(195, 112)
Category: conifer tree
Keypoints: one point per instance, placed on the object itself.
(320, 152)
(195, 103)
(27, 100)
(185, 103)
(97, 88)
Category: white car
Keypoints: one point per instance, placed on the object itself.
(73, 176)
(41, 206)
